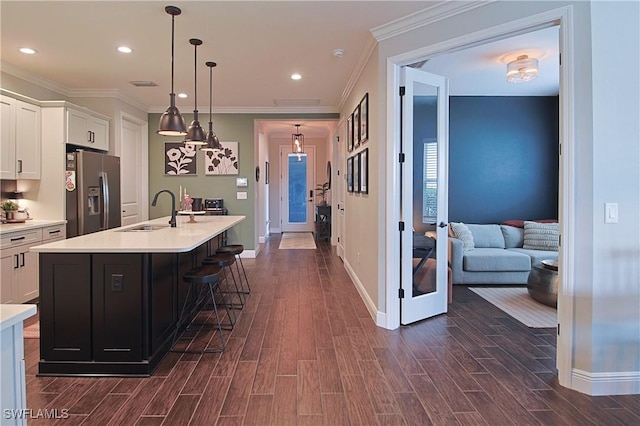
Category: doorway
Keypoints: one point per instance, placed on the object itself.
(297, 185)
(563, 18)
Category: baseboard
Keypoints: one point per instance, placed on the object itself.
(597, 384)
(275, 231)
(371, 307)
(249, 254)
(261, 240)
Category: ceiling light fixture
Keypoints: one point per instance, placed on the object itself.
(297, 141)
(171, 122)
(195, 132)
(296, 76)
(213, 143)
(27, 50)
(125, 49)
(522, 69)
(183, 95)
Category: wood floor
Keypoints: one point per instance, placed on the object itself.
(305, 351)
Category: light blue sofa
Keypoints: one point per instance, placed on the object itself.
(498, 256)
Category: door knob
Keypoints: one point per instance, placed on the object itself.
(442, 225)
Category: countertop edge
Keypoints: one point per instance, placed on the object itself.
(11, 315)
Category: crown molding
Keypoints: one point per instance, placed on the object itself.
(365, 53)
(424, 17)
(34, 79)
(253, 110)
(108, 93)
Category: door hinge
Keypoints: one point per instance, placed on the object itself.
(560, 59)
(401, 226)
(401, 293)
(560, 240)
(402, 90)
(401, 157)
(560, 149)
(558, 329)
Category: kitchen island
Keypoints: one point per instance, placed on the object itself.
(109, 300)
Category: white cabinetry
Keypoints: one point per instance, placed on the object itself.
(21, 139)
(87, 129)
(19, 276)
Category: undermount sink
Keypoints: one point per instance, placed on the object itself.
(145, 228)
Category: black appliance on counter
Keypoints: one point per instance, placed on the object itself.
(214, 206)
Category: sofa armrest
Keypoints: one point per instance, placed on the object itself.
(455, 259)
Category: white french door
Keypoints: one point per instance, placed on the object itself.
(425, 291)
(297, 187)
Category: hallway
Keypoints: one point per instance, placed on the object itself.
(305, 351)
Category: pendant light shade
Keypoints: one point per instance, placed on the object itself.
(171, 122)
(297, 141)
(195, 132)
(213, 143)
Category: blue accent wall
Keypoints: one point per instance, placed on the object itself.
(503, 158)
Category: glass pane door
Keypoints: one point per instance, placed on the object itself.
(298, 181)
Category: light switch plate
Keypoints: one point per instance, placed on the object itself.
(241, 195)
(610, 212)
(241, 182)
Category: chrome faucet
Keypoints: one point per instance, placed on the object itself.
(172, 222)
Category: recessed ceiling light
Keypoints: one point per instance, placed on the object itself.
(296, 76)
(338, 53)
(124, 49)
(182, 95)
(27, 50)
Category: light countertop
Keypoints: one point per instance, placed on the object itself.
(11, 315)
(6, 228)
(184, 238)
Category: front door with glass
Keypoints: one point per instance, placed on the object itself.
(296, 189)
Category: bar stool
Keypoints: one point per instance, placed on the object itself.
(236, 250)
(206, 279)
(225, 261)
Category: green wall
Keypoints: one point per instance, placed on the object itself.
(229, 128)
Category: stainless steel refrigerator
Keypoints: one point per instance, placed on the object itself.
(93, 192)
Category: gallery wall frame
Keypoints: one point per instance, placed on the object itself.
(350, 174)
(350, 133)
(356, 172)
(364, 118)
(364, 171)
(356, 126)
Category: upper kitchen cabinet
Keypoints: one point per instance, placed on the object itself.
(87, 129)
(21, 139)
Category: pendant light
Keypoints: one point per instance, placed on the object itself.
(195, 132)
(213, 143)
(171, 122)
(297, 141)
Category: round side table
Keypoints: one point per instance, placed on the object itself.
(542, 283)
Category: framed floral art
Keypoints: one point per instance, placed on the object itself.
(180, 159)
(224, 161)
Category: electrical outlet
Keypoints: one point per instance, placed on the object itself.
(117, 282)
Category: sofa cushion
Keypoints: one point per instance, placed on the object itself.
(540, 236)
(537, 256)
(486, 236)
(463, 234)
(495, 260)
(513, 237)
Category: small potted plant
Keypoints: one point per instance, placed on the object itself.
(9, 207)
(321, 193)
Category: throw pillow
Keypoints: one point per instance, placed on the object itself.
(463, 234)
(486, 236)
(540, 236)
(513, 236)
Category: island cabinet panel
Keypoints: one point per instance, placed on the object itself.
(65, 307)
(117, 307)
(162, 296)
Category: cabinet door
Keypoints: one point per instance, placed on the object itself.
(77, 128)
(8, 138)
(9, 266)
(28, 141)
(99, 133)
(27, 277)
(65, 307)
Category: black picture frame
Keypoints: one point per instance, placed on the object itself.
(364, 118)
(356, 172)
(364, 171)
(180, 159)
(350, 133)
(356, 126)
(266, 173)
(350, 174)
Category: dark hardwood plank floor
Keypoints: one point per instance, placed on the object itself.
(305, 351)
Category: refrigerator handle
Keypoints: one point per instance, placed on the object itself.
(104, 182)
